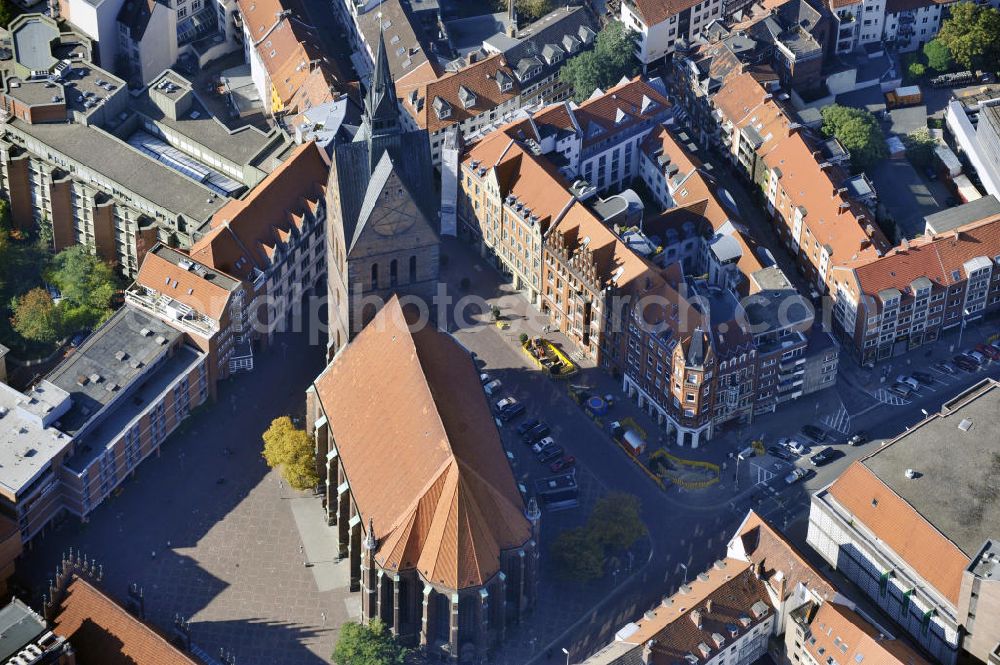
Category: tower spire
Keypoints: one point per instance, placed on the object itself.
(381, 106)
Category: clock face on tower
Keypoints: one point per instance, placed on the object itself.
(395, 213)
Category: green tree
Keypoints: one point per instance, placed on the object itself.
(578, 556)
(8, 11)
(972, 35)
(938, 56)
(615, 522)
(291, 450)
(87, 285)
(45, 232)
(916, 70)
(367, 645)
(603, 66)
(920, 147)
(858, 130)
(532, 10)
(36, 317)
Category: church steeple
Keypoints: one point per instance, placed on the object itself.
(381, 108)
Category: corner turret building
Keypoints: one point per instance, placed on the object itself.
(383, 230)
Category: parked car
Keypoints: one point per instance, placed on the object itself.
(964, 362)
(509, 408)
(945, 366)
(485, 378)
(527, 426)
(979, 358)
(562, 464)
(822, 457)
(792, 445)
(908, 380)
(859, 438)
(537, 432)
(542, 444)
(493, 387)
(814, 433)
(902, 389)
(924, 377)
(779, 452)
(550, 454)
(795, 476)
(989, 351)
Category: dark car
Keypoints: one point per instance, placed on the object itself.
(923, 377)
(822, 457)
(779, 452)
(965, 363)
(535, 434)
(562, 464)
(526, 426)
(859, 438)
(550, 454)
(817, 434)
(989, 351)
(945, 366)
(509, 408)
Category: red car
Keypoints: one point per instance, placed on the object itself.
(562, 463)
(989, 351)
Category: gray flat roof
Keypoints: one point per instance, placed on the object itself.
(122, 164)
(33, 44)
(26, 446)
(245, 145)
(957, 456)
(96, 374)
(19, 627)
(952, 218)
(36, 92)
(94, 442)
(86, 81)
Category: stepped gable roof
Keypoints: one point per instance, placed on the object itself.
(241, 230)
(102, 631)
(448, 504)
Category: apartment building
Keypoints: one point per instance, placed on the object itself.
(732, 337)
(910, 527)
(509, 73)
(974, 121)
(130, 384)
(288, 63)
(905, 24)
(665, 27)
(763, 600)
(209, 306)
(126, 170)
(834, 630)
(147, 42)
(908, 297)
(272, 241)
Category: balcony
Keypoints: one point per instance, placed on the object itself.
(167, 308)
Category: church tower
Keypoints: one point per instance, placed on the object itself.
(383, 219)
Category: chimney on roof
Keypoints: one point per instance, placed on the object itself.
(473, 57)
(708, 606)
(647, 652)
(781, 583)
(758, 569)
(905, 244)
(696, 618)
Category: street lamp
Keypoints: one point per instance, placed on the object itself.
(567, 655)
(961, 328)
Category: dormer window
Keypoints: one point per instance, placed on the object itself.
(552, 53)
(442, 108)
(504, 81)
(466, 96)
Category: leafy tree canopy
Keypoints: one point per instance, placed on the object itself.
(615, 522)
(578, 555)
(858, 130)
(367, 645)
(36, 317)
(532, 10)
(87, 284)
(938, 56)
(291, 450)
(605, 64)
(972, 35)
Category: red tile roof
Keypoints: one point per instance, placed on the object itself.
(842, 633)
(185, 286)
(102, 631)
(480, 78)
(936, 258)
(244, 231)
(897, 524)
(658, 11)
(421, 451)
